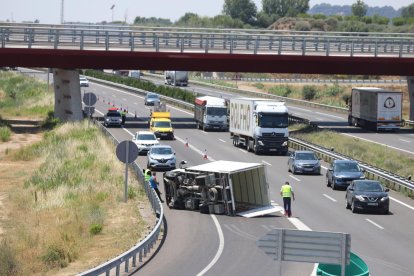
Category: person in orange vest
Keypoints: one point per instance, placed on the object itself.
(287, 194)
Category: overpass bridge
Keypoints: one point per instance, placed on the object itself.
(226, 50)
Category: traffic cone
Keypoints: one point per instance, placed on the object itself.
(186, 142)
(205, 154)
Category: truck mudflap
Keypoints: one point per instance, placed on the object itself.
(261, 211)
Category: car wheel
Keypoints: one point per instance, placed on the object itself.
(289, 170)
(293, 170)
(347, 206)
(386, 211)
(353, 209)
(327, 182)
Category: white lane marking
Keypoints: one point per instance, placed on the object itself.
(297, 179)
(205, 132)
(328, 197)
(124, 99)
(135, 103)
(329, 115)
(194, 148)
(119, 90)
(373, 223)
(405, 140)
(299, 224)
(402, 203)
(128, 132)
(267, 163)
(222, 140)
(323, 167)
(353, 136)
(244, 151)
(220, 249)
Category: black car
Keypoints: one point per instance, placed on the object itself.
(302, 161)
(342, 172)
(367, 195)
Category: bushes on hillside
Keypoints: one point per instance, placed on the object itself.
(309, 92)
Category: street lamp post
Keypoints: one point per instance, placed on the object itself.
(112, 9)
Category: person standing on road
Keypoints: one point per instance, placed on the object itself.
(154, 184)
(123, 116)
(287, 194)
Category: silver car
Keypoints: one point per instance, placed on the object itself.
(161, 157)
(112, 118)
(302, 161)
(152, 99)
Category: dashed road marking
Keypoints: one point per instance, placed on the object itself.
(244, 151)
(330, 198)
(402, 203)
(267, 163)
(222, 140)
(406, 141)
(376, 224)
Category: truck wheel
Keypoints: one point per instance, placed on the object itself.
(213, 194)
(255, 148)
(248, 145)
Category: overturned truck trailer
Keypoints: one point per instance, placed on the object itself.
(220, 187)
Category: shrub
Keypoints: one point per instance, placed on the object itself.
(132, 192)
(5, 133)
(334, 90)
(8, 262)
(302, 26)
(54, 257)
(398, 21)
(346, 98)
(95, 229)
(309, 92)
(258, 85)
(279, 90)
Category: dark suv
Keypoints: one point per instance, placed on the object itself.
(342, 172)
(367, 195)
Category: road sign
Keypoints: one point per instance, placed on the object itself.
(89, 98)
(89, 110)
(307, 246)
(127, 151)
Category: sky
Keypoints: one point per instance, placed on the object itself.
(49, 11)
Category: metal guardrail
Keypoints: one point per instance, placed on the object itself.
(135, 255)
(301, 80)
(206, 40)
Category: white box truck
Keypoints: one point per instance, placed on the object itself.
(375, 108)
(220, 187)
(260, 125)
(211, 113)
(176, 78)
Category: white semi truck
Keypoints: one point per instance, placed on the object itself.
(211, 113)
(176, 78)
(220, 187)
(375, 108)
(260, 125)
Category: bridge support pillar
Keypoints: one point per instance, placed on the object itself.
(68, 102)
(410, 83)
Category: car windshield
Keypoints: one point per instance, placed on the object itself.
(146, 137)
(217, 111)
(153, 96)
(161, 151)
(369, 187)
(113, 114)
(82, 79)
(306, 156)
(162, 124)
(347, 167)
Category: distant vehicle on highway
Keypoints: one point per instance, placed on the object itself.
(145, 140)
(161, 157)
(113, 118)
(341, 173)
(367, 195)
(83, 82)
(302, 161)
(152, 99)
(176, 78)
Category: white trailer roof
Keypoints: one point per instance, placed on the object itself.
(213, 100)
(224, 166)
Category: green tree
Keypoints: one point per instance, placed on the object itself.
(408, 11)
(284, 8)
(359, 8)
(245, 10)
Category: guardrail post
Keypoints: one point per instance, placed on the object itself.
(256, 45)
(352, 48)
(140, 256)
(157, 44)
(132, 41)
(182, 45)
(49, 37)
(134, 260)
(29, 37)
(400, 49)
(73, 36)
(206, 45)
(212, 40)
(376, 49)
(117, 270)
(55, 46)
(97, 37)
(303, 46)
(327, 47)
(271, 43)
(81, 40)
(126, 265)
(3, 41)
(107, 40)
(279, 50)
(231, 45)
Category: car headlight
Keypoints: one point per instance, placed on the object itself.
(260, 143)
(107, 119)
(360, 198)
(285, 144)
(385, 198)
(362, 177)
(297, 165)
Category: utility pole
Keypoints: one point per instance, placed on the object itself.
(112, 9)
(62, 12)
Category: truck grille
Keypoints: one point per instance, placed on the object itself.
(273, 139)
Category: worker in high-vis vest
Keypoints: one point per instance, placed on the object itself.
(147, 175)
(287, 194)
